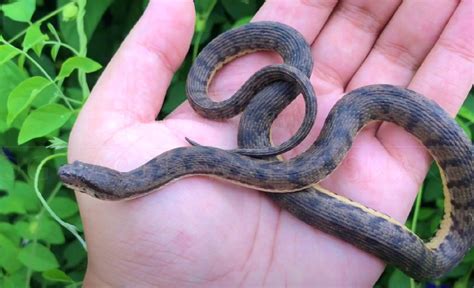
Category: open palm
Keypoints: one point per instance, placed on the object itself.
(204, 232)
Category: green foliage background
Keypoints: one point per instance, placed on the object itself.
(46, 52)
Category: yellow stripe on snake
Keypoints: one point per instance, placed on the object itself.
(261, 99)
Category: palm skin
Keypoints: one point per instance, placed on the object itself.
(205, 232)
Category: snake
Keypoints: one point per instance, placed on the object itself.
(294, 183)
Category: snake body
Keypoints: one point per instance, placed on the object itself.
(261, 101)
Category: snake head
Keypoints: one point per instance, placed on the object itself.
(96, 181)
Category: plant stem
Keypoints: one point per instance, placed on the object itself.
(414, 223)
(69, 47)
(71, 228)
(417, 210)
(38, 216)
(199, 34)
(82, 46)
(22, 173)
(46, 75)
(44, 18)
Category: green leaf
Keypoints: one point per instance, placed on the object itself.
(9, 231)
(83, 64)
(466, 113)
(460, 270)
(53, 31)
(25, 193)
(43, 121)
(56, 275)
(463, 282)
(9, 256)
(200, 24)
(464, 124)
(21, 10)
(7, 175)
(239, 9)
(435, 221)
(22, 96)
(55, 51)
(10, 77)
(11, 205)
(398, 280)
(63, 207)
(74, 254)
(242, 21)
(425, 213)
(7, 52)
(95, 11)
(432, 188)
(50, 231)
(34, 38)
(26, 229)
(175, 96)
(37, 257)
(467, 109)
(204, 5)
(21, 61)
(469, 257)
(45, 96)
(57, 144)
(76, 221)
(15, 280)
(44, 229)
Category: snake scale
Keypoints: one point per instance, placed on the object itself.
(260, 100)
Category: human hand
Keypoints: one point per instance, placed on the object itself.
(204, 232)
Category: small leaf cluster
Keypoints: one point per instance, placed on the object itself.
(43, 85)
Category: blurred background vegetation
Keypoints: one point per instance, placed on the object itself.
(48, 53)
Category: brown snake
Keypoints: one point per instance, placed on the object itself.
(261, 99)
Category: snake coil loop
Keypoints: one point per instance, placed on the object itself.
(261, 99)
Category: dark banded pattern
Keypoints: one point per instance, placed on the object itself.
(261, 99)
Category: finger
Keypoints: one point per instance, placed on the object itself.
(132, 88)
(339, 50)
(444, 76)
(447, 73)
(308, 17)
(398, 53)
(404, 43)
(346, 40)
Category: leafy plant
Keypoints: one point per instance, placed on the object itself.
(43, 87)
(46, 71)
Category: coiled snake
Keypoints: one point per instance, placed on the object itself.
(261, 99)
